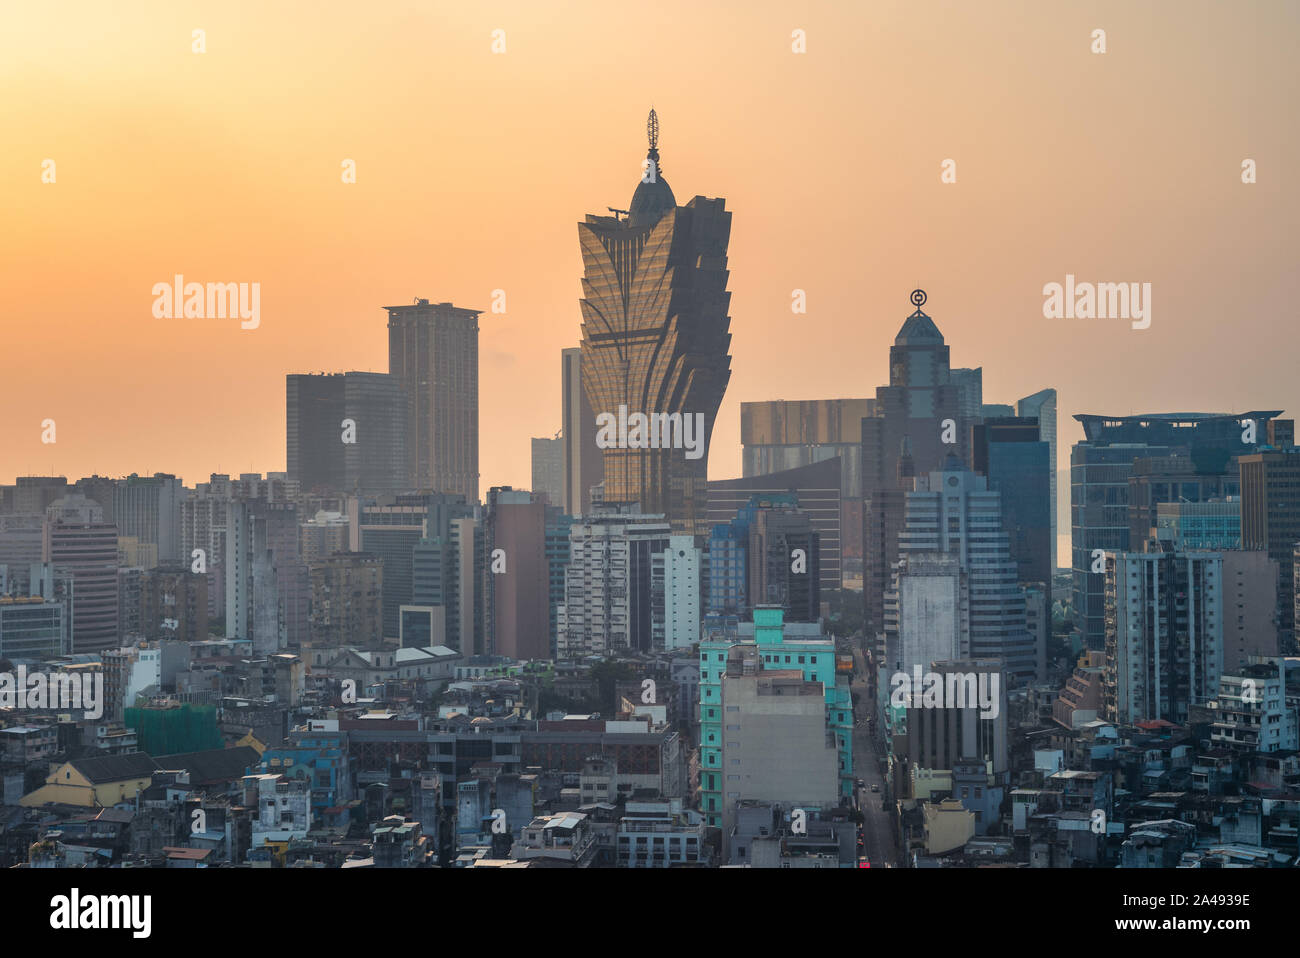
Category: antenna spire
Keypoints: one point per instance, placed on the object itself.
(652, 130)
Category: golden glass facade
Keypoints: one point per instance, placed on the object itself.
(655, 337)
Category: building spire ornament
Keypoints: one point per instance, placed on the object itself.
(652, 136)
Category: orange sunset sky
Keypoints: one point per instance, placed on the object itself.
(473, 169)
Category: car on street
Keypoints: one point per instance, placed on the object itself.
(875, 788)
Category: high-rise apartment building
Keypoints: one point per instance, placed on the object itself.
(655, 341)
(77, 541)
(149, 508)
(675, 594)
(607, 593)
(433, 350)
(347, 600)
(1177, 621)
(268, 587)
(173, 604)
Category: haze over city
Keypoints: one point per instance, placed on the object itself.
(473, 169)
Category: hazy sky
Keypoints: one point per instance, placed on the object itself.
(474, 167)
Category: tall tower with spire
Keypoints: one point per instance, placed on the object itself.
(916, 415)
(655, 334)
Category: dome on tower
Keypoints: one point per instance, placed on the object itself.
(918, 329)
(653, 197)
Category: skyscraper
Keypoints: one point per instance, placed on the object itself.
(583, 464)
(346, 431)
(953, 511)
(1100, 469)
(1042, 406)
(655, 339)
(922, 417)
(433, 350)
(548, 469)
(1270, 520)
(1018, 466)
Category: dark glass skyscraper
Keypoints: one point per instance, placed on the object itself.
(1100, 470)
(1009, 452)
(655, 336)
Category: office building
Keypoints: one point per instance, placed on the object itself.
(815, 491)
(33, 627)
(1017, 463)
(346, 432)
(922, 417)
(548, 469)
(953, 511)
(433, 351)
(1214, 525)
(583, 464)
(1270, 521)
(779, 435)
(1042, 406)
(1101, 466)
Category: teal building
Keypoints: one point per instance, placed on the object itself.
(781, 645)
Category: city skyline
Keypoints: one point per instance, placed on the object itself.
(1052, 216)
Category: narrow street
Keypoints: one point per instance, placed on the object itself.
(877, 828)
